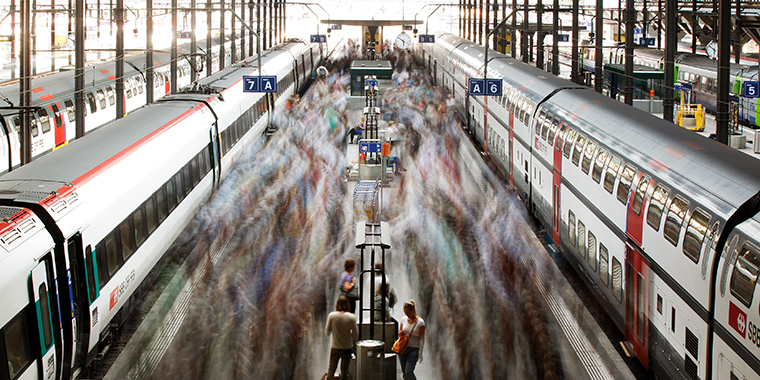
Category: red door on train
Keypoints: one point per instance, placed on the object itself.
(60, 126)
(637, 272)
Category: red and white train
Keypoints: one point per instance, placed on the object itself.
(54, 124)
(84, 226)
(659, 221)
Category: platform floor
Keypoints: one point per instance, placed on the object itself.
(252, 298)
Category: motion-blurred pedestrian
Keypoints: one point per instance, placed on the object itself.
(348, 284)
(342, 325)
(412, 326)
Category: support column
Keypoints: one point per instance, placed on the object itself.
(243, 30)
(149, 77)
(193, 39)
(52, 35)
(513, 39)
(503, 34)
(258, 27)
(233, 6)
(461, 15)
(222, 49)
(671, 43)
(524, 52)
(250, 22)
(487, 19)
(630, 20)
(25, 84)
(737, 39)
(264, 30)
(120, 59)
(724, 60)
(659, 24)
(14, 64)
(694, 27)
(555, 41)
(34, 37)
(209, 58)
(495, 22)
(540, 36)
(598, 77)
(480, 22)
(575, 76)
(174, 57)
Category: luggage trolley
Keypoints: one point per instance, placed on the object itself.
(366, 200)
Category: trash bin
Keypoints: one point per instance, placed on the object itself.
(369, 359)
(756, 142)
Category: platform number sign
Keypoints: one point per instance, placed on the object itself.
(751, 89)
(484, 87)
(427, 38)
(318, 38)
(264, 83)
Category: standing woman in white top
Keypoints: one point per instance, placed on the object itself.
(412, 326)
(342, 324)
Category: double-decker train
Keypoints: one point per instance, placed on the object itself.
(85, 226)
(661, 223)
(54, 125)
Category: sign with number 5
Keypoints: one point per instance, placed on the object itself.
(751, 89)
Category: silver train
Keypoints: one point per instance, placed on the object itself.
(84, 226)
(660, 222)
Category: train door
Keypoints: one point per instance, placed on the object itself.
(79, 301)
(435, 72)
(41, 292)
(215, 150)
(556, 179)
(727, 371)
(58, 125)
(637, 304)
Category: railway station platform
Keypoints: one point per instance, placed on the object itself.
(252, 301)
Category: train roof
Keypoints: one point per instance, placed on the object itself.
(74, 160)
(663, 149)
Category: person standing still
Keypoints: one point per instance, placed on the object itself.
(348, 283)
(342, 325)
(412, 326)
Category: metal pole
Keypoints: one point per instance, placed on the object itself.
(250, 21)
(524, 34)
(539, 36)
(149, 79)
(737, 39)
(630, 20)
(14, 64)
(34, 38)
(724, 60)
(575, 56)
(173, 62)
(222, 51)
(209, 58)
(694, 26)
(671, 12)
(555, 39)
(52, 35)
(503, 28)
(79, 70)
(514, 30)
(242, 31)
(233, 34)
(26, 81)
(659, 24)
(120, 111)
(598, 78)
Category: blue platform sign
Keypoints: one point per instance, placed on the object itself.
(751, 89)
(648, 41)
(318, 38)
(484, 87)
(370, 147)
(265, 83)
(370, 83)
(336, 27)
(563, 38)
(427, 38)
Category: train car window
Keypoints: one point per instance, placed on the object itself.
(44, 120)
(151, 215)
(582, 239)
(592, 251)
(112, 251)
(127, 239)
(579, 143)
(553, 131)
(611, 174)
(34, 127)
(625, 184)
(744, 277)
(57, 115)
(695, 234)
(16, 342)
(599, 162)
(128, 87)
(571, 228)
(93, 103)
(90, 266)
(101, 99)
(674, 219)
(138, 220)
(100, 255)
(70, 110)
(656, 205)
(139, 86)
(539, 122)
(194, 170)
(641, 190)
(604, 264)
(545, 127)
(617, 279)
(162, 203)
(179, 189)
(586, 164)
(568, 147)
(188, 178)
(111, 95)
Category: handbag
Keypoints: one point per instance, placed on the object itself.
(399, 346)
(351, 294)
